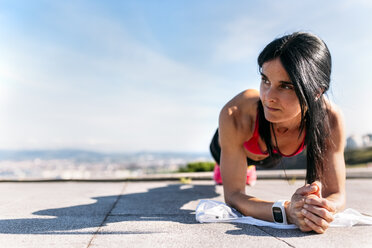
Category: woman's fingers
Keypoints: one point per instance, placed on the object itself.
(314, 227)
(297, 201)
(321, 202)
(303, 226)
(307, 189)
(316, 219)
(320, 212)
(313, 216)
(318, 192)
(312, 212)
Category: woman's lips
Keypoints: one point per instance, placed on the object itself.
(272, 109)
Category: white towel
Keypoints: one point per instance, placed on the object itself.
(214, 211)
(209, 211)
(350, 217)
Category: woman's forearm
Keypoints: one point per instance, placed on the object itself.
(338, 200)
(250, 206)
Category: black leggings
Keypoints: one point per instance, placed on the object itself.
(268, 162)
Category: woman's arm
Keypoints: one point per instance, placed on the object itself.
(318, 212)
(233, 164)
(333, 183)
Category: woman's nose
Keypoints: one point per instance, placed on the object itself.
(271, 95)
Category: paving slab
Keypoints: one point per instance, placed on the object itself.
(161, 214)
(53, 214)
(154, 214)
(180, 231)
(163, 197)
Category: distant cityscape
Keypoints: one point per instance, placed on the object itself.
(359, 141)
(80, 164)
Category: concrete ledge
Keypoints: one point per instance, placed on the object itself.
(351, 173)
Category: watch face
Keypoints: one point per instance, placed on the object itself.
(278, 216)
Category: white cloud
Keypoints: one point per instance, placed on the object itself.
(124, 97)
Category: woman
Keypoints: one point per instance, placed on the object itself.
(289, 113)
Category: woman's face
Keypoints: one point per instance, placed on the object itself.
(277, 93)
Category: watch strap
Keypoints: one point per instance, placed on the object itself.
(279, 214)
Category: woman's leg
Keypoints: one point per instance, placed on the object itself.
(216, 154)
(215, 148)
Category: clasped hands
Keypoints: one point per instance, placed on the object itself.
(309, 211)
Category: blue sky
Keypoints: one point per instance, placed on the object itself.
(153, 75)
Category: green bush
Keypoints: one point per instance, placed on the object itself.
(358, 156)
(198, 167)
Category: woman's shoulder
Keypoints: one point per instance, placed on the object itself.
(239, 114)
(335, 114)
(336, 124)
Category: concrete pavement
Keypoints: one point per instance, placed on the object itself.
(154, 214)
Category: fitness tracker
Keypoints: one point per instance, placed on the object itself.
(279, 212)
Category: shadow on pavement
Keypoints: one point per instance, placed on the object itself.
(157, 204)
(244, 229)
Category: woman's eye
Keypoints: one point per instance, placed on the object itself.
(265, 81)
(287, 87)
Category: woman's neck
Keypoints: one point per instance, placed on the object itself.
(287, 127)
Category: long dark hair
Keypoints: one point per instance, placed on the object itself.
(307, 60)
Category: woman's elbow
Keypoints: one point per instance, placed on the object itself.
(231, 198)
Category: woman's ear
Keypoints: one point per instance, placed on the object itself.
(319, 95)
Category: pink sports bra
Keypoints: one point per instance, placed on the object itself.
(252, 144)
